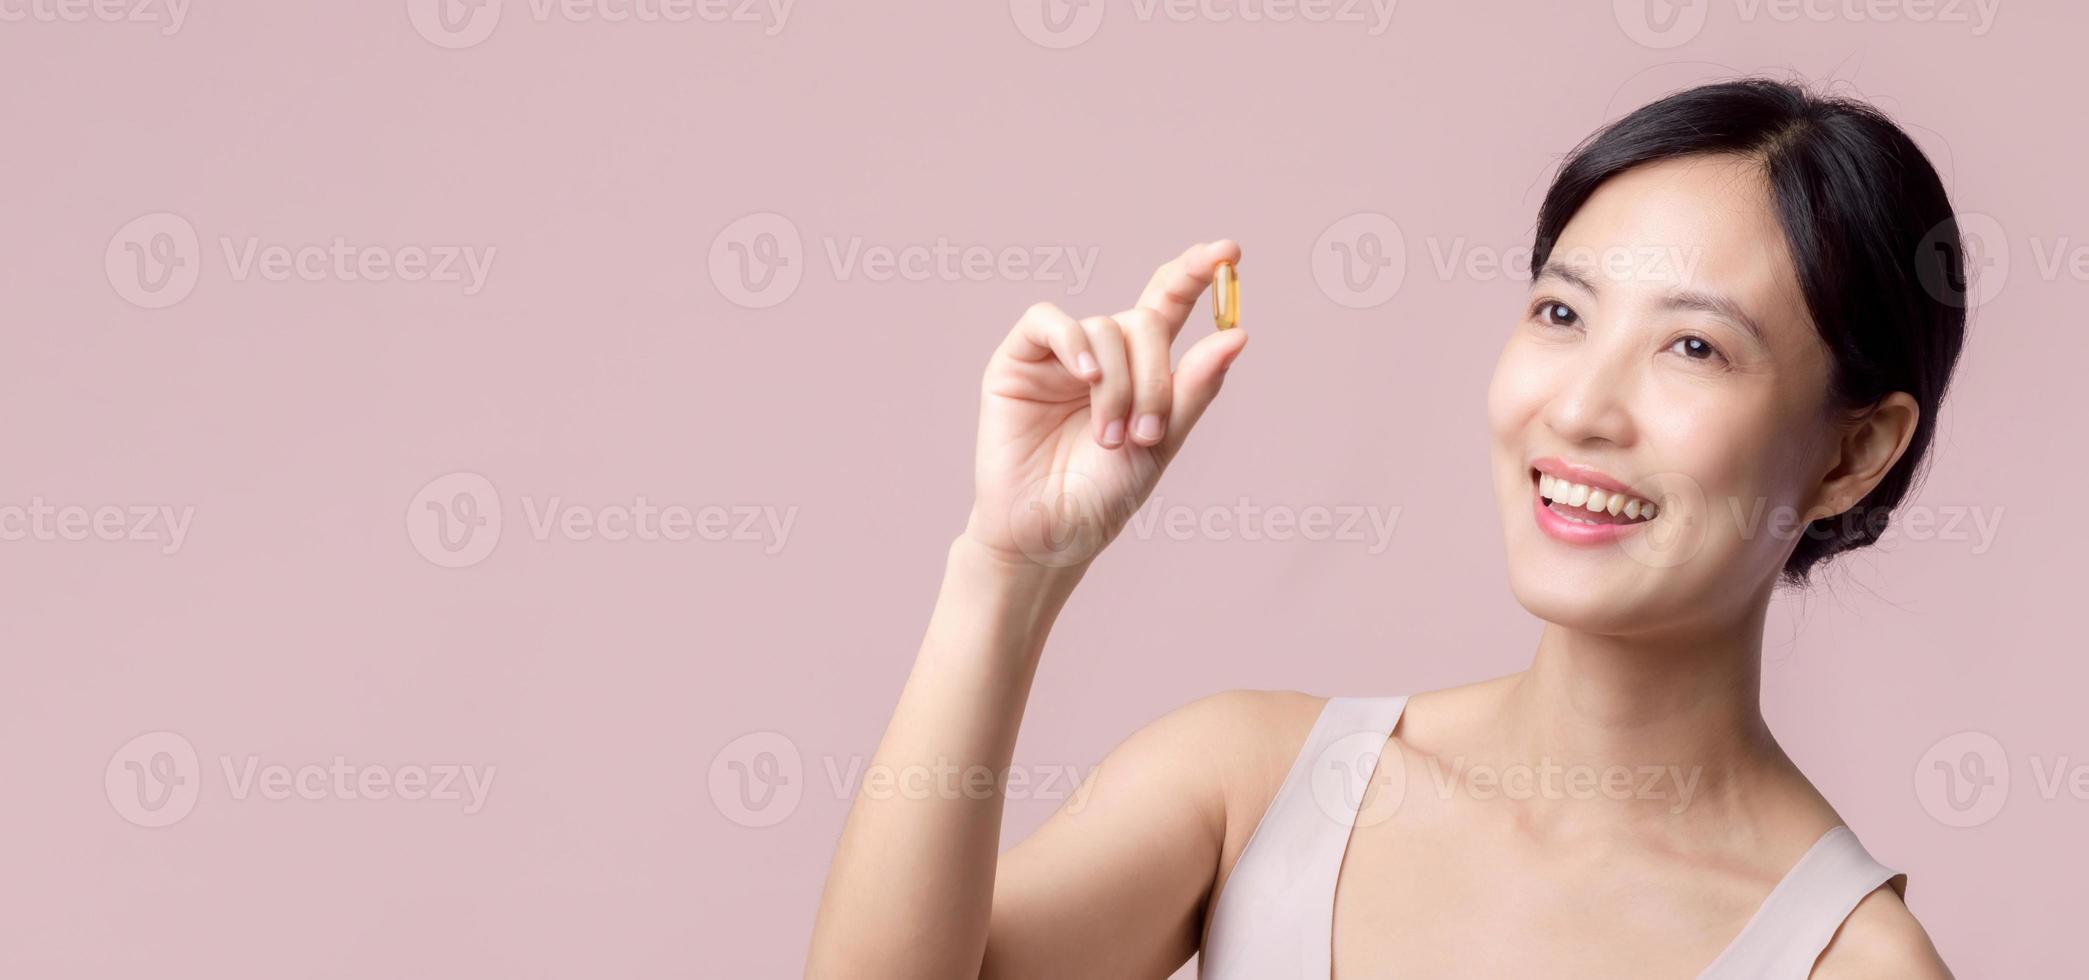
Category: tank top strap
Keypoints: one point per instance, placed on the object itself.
(1794, 925)
(1274, 915)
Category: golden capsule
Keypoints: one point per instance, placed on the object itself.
(1225, 296)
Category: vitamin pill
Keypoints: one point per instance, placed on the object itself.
(1225, 296)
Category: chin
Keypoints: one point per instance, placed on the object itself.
(1620, 587)
(1585, 597)
(1616, 591)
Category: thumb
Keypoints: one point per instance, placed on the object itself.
(1198, 376)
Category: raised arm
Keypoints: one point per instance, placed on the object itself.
(1078, 418)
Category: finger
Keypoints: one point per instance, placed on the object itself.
(1109, 397)
(1197, 379)
(1147, 342)
(1046, 331)
(1174, 288)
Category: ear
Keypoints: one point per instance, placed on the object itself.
(1866, 450)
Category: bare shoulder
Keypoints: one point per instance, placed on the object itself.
(1881, 938)
(1248, 736)
(1211, 755)
(1246, 742)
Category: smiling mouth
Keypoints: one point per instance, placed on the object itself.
(1582, 504)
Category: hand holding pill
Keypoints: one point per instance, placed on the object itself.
(1079, 416)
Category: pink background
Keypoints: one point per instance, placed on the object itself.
(608, 357)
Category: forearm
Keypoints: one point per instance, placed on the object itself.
(910, 891)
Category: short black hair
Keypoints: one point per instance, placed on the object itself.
(1870, 230)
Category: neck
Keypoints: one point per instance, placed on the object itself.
(1685, 704)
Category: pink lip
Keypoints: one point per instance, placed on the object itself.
(1574, 473)
(1561, 529)
(1570, 532)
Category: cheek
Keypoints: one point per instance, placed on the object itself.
(1517, 392)
(1516, 398)
(1732, 460)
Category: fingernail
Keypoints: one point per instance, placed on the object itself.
(1113, 433)
(1086, 364)
(1149, 427)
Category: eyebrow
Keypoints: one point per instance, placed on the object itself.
(1688, 299)
(1568, 274)
(1719, 306)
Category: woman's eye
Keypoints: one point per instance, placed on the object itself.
(1556, 314)
(1696, 348)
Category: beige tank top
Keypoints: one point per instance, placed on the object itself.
(1275, 916)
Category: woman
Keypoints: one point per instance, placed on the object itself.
(1740, 329)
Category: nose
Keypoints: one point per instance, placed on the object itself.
(1592, 396)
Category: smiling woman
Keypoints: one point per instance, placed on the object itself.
(1745, 308)
(1828, 219)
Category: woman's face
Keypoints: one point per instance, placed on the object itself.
(1666, 350)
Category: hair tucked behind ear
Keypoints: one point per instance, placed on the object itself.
(1869, 228)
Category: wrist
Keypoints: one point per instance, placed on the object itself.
(975, 563)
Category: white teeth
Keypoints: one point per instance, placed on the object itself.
(1597, 501)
